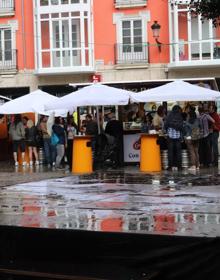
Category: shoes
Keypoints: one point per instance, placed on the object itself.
(31, 163)
(60, 168)
(53, 164)
(16, 163)
(24, 163)
(197, 168)
(37, 162)
(192, 168)
(174, 168)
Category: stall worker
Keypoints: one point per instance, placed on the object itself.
(115, 128)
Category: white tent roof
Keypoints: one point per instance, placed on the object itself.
(31, 102)
(176, 91)
(93, 95)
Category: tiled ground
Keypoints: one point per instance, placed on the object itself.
(121, 201)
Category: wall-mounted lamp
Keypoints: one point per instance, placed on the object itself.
(156, 33)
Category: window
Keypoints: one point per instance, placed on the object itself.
(132, 47)
(5, 45)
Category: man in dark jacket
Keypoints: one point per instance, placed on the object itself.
(174, 126)
(115, 128)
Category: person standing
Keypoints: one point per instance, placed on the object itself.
(71, 132)
(115, 128)
(215, 133)
(192, 136)
(58, 129)
(204, 143)
(31, 134)
(17, 133)
(49, 150)
(158, 120)
(174, 127)
(91, 128)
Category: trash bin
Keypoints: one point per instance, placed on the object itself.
(82, 154)
(150, 160)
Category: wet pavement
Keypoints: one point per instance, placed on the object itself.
(167, 203)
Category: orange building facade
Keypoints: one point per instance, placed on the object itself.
(51, 43)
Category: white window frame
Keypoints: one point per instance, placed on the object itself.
(13, 43)
(178, 44)
(80, 7)
(118, 18)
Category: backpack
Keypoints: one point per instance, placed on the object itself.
(54, 139)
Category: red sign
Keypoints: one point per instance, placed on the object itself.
(96, 78)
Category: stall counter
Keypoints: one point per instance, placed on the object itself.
(132, 143)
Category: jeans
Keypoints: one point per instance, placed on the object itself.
(193, 148)
(174, 153)
(205, 151)
(60, 154)
(49, 151)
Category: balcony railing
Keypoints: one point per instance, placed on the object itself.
(8, 60)
(130, 3)
(7, 7)
(131, 53)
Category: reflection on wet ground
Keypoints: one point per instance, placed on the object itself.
(121, 201)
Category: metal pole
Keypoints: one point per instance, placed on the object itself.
(98, 120)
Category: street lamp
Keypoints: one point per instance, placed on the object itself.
(156, 33)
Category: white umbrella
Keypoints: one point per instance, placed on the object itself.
(176, 91)
(93, 95)
(30, 103)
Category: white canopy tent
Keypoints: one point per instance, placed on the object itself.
(176, 91)
(33, 102)
(93, 95)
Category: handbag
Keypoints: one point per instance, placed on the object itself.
(54, 139)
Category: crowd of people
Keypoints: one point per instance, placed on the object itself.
(193, 128)
(196, 129)
(27, 136)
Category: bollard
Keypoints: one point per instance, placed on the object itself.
(164, 159)
(150, 160)
(185, 159)
(41, 155)
(82, 155)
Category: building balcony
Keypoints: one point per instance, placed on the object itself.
(130, 3)
(8, 61)
(7, 8)
(65, 61)
(194, 54)
(130, 54)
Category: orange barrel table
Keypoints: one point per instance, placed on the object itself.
(82, 154)
(150, 160)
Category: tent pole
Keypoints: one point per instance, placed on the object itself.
(98, 120)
